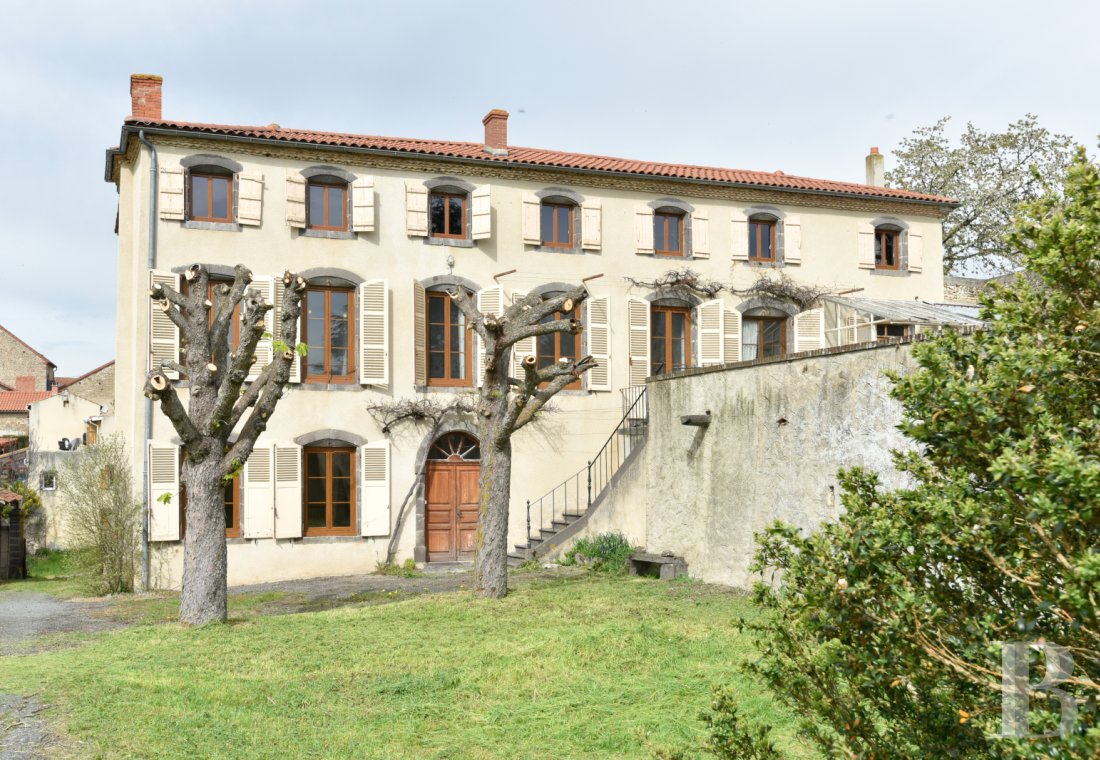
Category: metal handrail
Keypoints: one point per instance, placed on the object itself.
(597, 473)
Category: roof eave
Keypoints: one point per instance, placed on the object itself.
(128, 130)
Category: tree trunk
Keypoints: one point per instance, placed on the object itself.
(203, 599)
(491, 559)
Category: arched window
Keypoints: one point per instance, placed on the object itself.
(668, 231)
(455, 447)
(763, 334)
(762, 237)
(327, 203)
(210, 194)
(887, 246)
(557, 216)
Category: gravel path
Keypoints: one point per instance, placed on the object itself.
(24, 615)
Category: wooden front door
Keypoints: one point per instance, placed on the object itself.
(451, 496)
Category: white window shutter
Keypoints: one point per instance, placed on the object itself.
(700, 234)
(643, 229)
(711, 333)
(792, 245)
(866, 245)
(598, 330)
(295, 199)
(489, 301)
(164, 478)
(532, 219)
(259, 493)
(170, 186)
(739, 234)
(296, 363)
(375, 517)
(288, 490)
(164, 336)
(482, 222)
(592, 224)
(916, 252)
(731, 336)
(416, 209)
(374, 332)
(809, 330)
(638, 318)
(250, 198)
(362, 205)
(266, 285)
(520, 349)
(420, 334)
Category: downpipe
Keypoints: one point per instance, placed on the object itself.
(151, 264)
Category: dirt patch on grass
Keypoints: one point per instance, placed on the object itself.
(23, 734)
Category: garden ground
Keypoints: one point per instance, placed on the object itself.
(567, 666)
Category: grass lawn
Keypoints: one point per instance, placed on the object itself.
(587, 667)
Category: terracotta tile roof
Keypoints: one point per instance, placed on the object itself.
(29, 348)
(8, 497)
(63, 381)
(16, 401)
(547, 158)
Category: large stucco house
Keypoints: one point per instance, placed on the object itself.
(383, 227)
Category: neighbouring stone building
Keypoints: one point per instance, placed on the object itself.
(25, 377)
(382, 228)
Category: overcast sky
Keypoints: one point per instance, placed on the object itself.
(805, 87)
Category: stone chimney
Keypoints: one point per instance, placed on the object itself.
(876, 168)
(496, 132)
(145, 96)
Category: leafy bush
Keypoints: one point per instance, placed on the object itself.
(96, 492)
(603, 553)
(885, 635)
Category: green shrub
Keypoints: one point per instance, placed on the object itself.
(603, 553)
(405, 570)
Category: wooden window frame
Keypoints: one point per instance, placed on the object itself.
(446, 382)
(234, 532)
(353, 347)
(772, 224)
(234, 328)
(660, 218)
(760, 334)
(328, 185)
(569, 212)
(578, 315)
(464, 197)
(882, 235)
(882, 331)
(665, 313)
(328, 530)
(209, 177)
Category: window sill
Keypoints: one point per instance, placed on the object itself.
(352, 387)
(890, 272)
(575, 251)
(766, 264)
(453, 242)
(666, 256)
(445, 388)
(327, 234)
(212, 226)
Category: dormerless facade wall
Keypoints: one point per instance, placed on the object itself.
(389, 262)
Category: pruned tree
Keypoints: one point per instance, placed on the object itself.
(506, 405)
(219, 403)
(990, 174)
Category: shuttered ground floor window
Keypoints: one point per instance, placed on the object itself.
(763, 337)
(329, 493)
(669, 339)
(231, 499)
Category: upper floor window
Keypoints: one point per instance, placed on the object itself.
(668, 233)
(669, 339)
(763, 337)
(887, 247)
(329, 493)
(447, 214)
(327, 204)
(762, 237)
(449, 342)
(211, 194)
(233, 337)
(328, 330)
(552, 348)
(557, 225)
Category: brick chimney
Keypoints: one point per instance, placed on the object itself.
(145, 96)
(496, 132)
(876, 168)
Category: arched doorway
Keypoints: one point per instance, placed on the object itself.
(450, 497)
